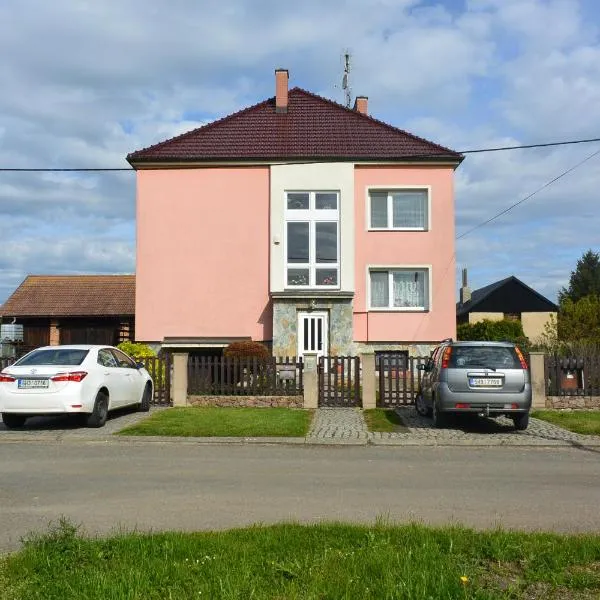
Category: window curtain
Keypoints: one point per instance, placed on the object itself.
(380, 289)
(409, 289)
(410, 209)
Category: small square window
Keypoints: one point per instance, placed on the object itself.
(326, 201)
(298, 201)
(298, 277)
(327, 277)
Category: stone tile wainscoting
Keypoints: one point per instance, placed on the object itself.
(573, 402)
(247, 401)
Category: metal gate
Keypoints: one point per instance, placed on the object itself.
(339, 381)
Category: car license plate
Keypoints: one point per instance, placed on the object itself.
(26, 384)
(485, 382)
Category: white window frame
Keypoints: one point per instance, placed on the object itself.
(390, 270)
(312, 216)
(396, 188)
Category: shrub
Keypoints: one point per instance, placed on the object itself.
(136, 350)
(247, 349)
(494, 331)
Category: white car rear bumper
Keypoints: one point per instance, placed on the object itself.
(68, 400)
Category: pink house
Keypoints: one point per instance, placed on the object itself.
(300, 223)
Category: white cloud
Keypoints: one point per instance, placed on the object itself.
(87, 82)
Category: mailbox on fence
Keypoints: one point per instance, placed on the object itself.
(286, 372)
(571, 374)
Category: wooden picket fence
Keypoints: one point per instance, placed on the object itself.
(398, 379)
(221, 376)
(572, 376)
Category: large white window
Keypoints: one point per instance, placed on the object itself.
(312, 239)
(403, 209)
(399, 289)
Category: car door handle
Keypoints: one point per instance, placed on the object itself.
(107, 373)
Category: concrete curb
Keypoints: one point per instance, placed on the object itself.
(18, 437)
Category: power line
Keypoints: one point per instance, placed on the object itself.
(308, 162)
(523, 147)
(547, 184)
(63, 170)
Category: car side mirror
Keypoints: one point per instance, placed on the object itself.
(140, 365)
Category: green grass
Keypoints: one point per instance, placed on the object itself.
(586, 422)
(224, 422)
(294, 562)
(383, 419)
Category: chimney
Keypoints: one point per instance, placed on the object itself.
(281, 90)
(360, 104)
(465, 292)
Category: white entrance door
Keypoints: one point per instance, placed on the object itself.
(312, 333)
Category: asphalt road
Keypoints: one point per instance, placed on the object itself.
(189, 486)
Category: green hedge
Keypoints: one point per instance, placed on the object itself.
(494, 331)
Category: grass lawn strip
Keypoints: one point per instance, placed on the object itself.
(224, 422)
(586, 422)
(384, 420)
(298, 562)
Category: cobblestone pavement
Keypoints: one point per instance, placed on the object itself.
(346, 424)
(66, 427)
(338, 424)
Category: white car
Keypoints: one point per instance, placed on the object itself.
(85, 380)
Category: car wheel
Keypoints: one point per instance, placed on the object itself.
(521, 421)
(420, 405)
(12, 421)
(97, 418)
(440, 419)
(146, 397)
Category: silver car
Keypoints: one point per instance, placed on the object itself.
(486, 378)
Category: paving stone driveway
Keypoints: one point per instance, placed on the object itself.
(347, 424)
(66, 427)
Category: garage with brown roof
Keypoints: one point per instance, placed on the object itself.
(73, 309)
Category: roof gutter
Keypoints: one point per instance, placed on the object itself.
(188, 163)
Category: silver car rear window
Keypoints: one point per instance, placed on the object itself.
(493, 357)
(59, 356)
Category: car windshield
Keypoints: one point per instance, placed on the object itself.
(492, 357)
(52, 356)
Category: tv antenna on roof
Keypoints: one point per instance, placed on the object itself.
(346, 79)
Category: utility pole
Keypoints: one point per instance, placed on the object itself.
(346, 79)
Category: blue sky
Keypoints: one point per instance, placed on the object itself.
(84, 83)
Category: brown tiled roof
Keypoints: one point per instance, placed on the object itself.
(312, 128)
(72, 296)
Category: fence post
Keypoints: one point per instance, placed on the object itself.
(369, 397)
(538, 382)
(180, 378)
(311, 385)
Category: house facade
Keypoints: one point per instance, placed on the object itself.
(508, 298)
(300, 223)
